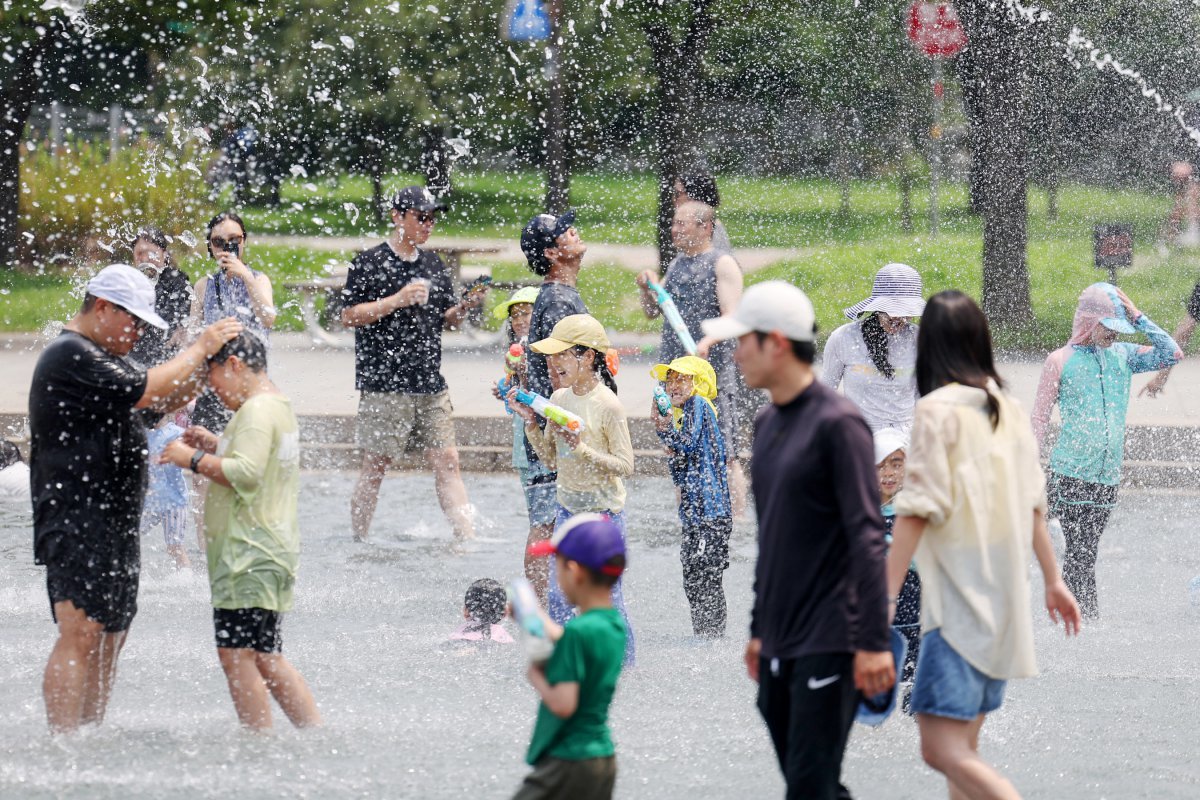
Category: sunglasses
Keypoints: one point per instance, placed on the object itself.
(425, 216)
(139, 325)
(220, 244)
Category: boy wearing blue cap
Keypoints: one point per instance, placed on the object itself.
(571, 749)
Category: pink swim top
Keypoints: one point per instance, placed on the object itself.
(470, 632)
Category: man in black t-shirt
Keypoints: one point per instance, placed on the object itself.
(1182, 335)
(88, 476)
(819, 624)
(398, 298)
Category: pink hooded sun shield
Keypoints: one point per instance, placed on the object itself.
(1099, 305)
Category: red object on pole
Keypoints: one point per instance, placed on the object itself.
(935, 29)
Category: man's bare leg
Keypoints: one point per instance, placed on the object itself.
(537, 568)
(366, 494)
(65, 681)
(102, 674)
(288, 688)
(246, 687)
(451, 492)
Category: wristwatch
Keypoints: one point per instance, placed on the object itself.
(196, 457)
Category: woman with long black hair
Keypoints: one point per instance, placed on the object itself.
(874, 357)
(975, 502)
(232, 290)
(172, 297)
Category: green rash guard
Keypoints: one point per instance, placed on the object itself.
(252, 527)
(589, 653)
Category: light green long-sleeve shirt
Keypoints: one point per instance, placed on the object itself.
(252, 527)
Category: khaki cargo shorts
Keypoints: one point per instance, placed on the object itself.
(389, 424)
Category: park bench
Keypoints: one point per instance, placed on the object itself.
(325, 328)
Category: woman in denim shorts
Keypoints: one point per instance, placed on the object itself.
(975, 501)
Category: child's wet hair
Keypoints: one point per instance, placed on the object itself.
(486, 601)
(248, 349)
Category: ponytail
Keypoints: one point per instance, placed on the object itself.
(599, 365)
(876, 339)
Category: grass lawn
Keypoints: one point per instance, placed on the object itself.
(836, 255)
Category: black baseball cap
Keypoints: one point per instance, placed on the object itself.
(417, 198)
(540, 235)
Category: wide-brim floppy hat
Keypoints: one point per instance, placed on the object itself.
(575, 330)
(526, 294)
(897, 292)
(704, 377)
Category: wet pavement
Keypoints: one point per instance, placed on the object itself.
(1110, 716)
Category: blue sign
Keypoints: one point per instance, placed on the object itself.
(528, 22)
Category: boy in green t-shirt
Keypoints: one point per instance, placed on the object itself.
(252, 531)
(572, 749)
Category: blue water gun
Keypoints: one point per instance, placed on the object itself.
(661, 400)
(527, 613)
(674, 319)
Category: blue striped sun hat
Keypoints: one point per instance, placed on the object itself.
(897, 292)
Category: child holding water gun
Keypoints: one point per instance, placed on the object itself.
(167, 501)
(891, 444)
(536, 480)
(697, 461)
(572, 750)
(591, 452)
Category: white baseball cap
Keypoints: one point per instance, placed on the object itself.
(124, 286)
(765, 307)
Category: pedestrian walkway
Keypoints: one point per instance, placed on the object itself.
(633, 257)
(1163, 447)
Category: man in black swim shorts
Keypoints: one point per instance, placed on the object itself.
(88, 477)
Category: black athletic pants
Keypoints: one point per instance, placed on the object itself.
(704, 553)
(1082, 509)
(808, 704)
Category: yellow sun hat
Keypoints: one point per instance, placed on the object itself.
(577, 329)
(526, 294)
(704, 378)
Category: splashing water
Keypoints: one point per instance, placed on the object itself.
(1076, 43)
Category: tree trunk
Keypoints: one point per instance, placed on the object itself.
(678, 66)
(434, 161)
(995, 68)
(558, 163)
(18, 92)
(845, 155)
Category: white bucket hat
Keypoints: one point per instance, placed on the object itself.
(896, 292)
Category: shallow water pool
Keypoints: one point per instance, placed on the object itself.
(1111, 715)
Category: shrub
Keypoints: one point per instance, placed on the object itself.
(81, 205)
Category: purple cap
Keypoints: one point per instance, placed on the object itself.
(591, 539)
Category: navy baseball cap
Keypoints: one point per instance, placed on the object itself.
(872, 711)
(590, 539)
(417, 198)
(540, 235)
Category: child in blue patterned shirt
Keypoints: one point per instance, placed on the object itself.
(696, 456)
